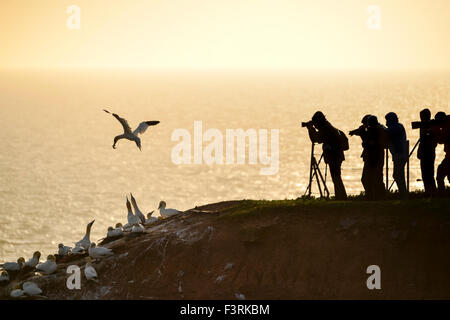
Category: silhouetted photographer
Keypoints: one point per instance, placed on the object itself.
(443, 137)
(427, 148)
(399, 151)
(334, 144)
(374, 140)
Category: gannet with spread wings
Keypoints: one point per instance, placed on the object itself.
(131, 135)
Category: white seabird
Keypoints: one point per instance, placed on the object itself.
(165, 213)
(86, 241)
(14, 266)
(138, 228)
(4, 278)
(78, 250)
(90, 272)
(150, 219)
(132, 219)
(114, 232)
(34, 261)
(17, 293)
(99, 252)
(131, 135)
(31, 288)
(63, 250)
(137, 212)
(49, 266)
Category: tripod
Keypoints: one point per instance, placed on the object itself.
(315, 173)
(407, 166)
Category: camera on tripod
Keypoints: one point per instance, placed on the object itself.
(425, 124)
(307, 124)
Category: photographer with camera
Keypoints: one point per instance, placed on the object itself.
(427, 149)
(443, 137)
(374, 139)
(334, 144)
(399, 151)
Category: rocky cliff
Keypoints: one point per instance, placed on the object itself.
(303, 249)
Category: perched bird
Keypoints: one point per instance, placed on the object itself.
(118, 225)
(17, 292)
(78, 250)
(137, 212)
(49, 266)
(33, 262)
(99, 252)
(89, 271)
(4, 278)
(63, 250)
(31, 288)
(150, 219)
(86, 241)
(114, 232)
(132, 219)
(131, 135)
(240, 296)
(138, 228)
(165, 213)
(14, 266)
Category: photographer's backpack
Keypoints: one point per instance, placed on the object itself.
(343, 140)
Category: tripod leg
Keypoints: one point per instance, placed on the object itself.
(325, 189)
(317, 169)
(308, 189)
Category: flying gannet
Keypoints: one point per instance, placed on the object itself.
(63, 250)
(86, 241)
(89, 271)
(165, 213)
(47, 267)
(131, 135)
(33, 262)
(14, 266)
(31, 288)
(132, 219)
(99, 252)
(137, 212)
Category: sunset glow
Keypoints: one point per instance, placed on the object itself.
(236, 34)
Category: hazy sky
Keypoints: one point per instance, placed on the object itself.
(316, 34)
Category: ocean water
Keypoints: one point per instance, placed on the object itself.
(58, 170)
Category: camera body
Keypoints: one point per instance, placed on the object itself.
(307, 124)
(357, 132)
(425, 124)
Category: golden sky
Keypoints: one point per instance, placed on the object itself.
(240, 34)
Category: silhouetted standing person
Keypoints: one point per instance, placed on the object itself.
(321, 131)
(427, 152)
(444, 138)
(399, 151)
(374, 139)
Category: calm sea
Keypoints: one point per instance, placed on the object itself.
(58, 170)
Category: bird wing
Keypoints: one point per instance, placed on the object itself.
(123, 122)
(90, 272)
(103, 250)
(142, 127)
